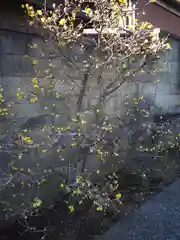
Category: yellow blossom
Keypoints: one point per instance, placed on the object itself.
(54, 15)
(149, 26)
(71, 209)
(100, 209)
(39, 12)
(43, 19)
(168, 45)
(123, 2)
(118, 196)
(33, 100)
(37, 203)
(62, 21)
(73, 144)
(88, 11)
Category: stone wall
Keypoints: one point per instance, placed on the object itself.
(166, 93)
(16, 71)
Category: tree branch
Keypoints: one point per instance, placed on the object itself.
(82, 91)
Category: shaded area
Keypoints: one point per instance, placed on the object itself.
(58, 223)
(158, 219)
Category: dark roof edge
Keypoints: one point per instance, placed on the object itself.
(169, 7)
(173, 3)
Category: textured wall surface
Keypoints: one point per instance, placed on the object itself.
(166, 93)
(16, 72)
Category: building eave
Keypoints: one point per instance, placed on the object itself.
(172, 3)
(169, 6)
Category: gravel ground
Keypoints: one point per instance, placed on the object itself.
(157, 219)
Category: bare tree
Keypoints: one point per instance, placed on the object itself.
(88, 70)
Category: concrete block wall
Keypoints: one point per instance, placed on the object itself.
(16, 71)
(166, 93)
